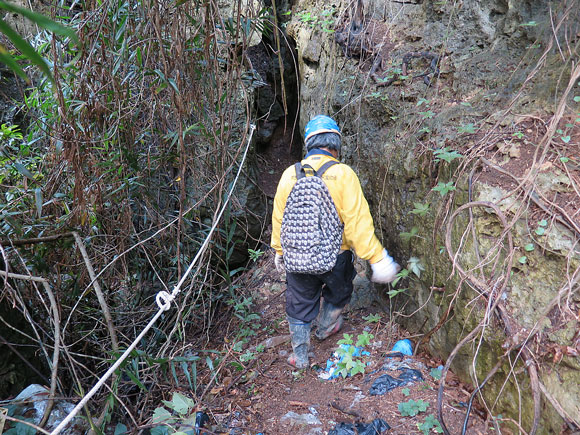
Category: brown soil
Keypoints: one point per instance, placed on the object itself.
(515, 155)
(254, 396)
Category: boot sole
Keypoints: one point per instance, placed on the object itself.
(291, 361)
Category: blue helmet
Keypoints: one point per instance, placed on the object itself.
(320, 124)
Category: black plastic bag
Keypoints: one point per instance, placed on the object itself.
(385, 383)
(201, 418)
(375, 427)
(410, 375)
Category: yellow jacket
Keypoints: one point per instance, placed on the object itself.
(351, 205)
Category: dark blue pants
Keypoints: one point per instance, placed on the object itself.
(304, 290)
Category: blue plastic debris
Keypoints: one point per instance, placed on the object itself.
(403, 346)
(331, 370)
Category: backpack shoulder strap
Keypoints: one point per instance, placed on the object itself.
(301, 173)
(324, 167)
(300, 170)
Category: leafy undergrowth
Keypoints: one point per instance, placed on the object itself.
(254, 390)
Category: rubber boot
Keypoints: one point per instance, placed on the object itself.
(329, 321)
(300, 337)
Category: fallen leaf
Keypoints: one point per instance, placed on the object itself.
(514, 151)
(557, 355)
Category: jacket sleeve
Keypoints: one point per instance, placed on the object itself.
(359, 229)
(284, 187)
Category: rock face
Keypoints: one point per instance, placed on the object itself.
(504, 68)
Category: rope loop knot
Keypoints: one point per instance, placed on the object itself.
(163, 300)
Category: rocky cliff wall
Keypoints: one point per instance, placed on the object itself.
(502, 99)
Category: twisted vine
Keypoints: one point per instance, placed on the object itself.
(495, 303)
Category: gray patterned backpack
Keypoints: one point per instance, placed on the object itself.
(311, 229)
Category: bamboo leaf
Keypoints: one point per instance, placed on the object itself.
(173, 372)
(121, 30)
(40, 20)
(25, 48)
(38, 200)
(194, 375)
(7, 59)
(173, 85)
(135, 380)
(185, 368)
(22, 169)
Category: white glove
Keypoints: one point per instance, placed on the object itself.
(386, 270)
(279, 263)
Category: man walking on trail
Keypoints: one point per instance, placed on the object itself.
(304, 232)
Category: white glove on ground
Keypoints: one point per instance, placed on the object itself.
(279, 263)
(386, 270)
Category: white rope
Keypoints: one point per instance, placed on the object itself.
(163, 300)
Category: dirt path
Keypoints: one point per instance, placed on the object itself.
(261, 393)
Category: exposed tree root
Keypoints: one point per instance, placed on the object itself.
(493, 297)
